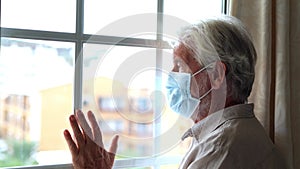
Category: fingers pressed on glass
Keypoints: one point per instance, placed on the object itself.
(95, 129)
(77, 132)
(114, 144)
(72, 146)
(84, 124)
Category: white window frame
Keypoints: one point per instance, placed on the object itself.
(79, 38)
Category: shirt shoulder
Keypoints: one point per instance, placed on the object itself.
(246, 142)
(232, 138)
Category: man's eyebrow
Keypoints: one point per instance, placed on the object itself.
(178, 59)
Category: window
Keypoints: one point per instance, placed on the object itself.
(141, 105)
(109, 104)
(100, 14)
(36, 79)
(110, 125)
(106, 56)
(39, 15)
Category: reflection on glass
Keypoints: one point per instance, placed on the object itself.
(49, 15)
(35, 101)
(122, 87)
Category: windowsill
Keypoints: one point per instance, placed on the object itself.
(125, 163)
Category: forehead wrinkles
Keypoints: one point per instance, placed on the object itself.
(182, 52)
(186, 55)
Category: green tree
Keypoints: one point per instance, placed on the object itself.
(19, 152)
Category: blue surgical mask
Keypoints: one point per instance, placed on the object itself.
(179, 95)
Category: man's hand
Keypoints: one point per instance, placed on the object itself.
(87, 150)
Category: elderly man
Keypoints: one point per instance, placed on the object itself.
(211, 80)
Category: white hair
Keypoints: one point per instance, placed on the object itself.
(226, 39)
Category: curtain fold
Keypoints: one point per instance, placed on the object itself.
(257, 16)
(295, 78)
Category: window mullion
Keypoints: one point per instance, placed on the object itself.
(225, 7)
(37, 35)
(78, 55)
(158, 86)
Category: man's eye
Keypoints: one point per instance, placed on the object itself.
(181, 69)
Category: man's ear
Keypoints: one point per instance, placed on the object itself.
(217, 75)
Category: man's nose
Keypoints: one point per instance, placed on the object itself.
(175, 69)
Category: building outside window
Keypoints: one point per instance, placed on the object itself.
(47, 69)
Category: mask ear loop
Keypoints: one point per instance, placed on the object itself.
(202, 69)
(205, 94)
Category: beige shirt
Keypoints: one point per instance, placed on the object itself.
(231, 139)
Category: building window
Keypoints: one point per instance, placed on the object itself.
(141, 105)
(110, 104)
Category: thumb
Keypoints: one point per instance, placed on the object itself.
(114, 144)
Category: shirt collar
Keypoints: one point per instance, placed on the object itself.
(214, 120)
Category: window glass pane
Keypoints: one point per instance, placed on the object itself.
(170, 166)
(192, 10)
(130, 91)
(50, 15)
(35, 101)
(107, 14)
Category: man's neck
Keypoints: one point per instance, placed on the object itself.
(229, 102)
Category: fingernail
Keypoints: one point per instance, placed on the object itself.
(65, 131)
(72, 118)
